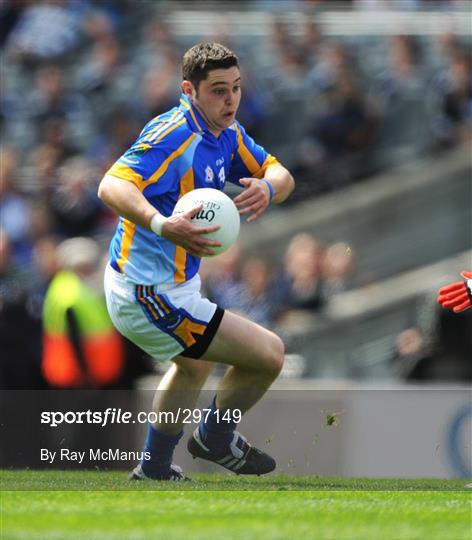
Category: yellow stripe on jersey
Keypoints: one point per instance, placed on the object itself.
(165, 164)
(269, 160)
(129, 229)
(192, 114)
(171, 128)
(159, 124)
(249, 160)
(187, 183)
(125, 173)
(143, 146)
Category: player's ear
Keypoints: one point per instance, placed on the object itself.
(188, 88)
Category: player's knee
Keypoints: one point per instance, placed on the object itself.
(196, 372)
(276, 356)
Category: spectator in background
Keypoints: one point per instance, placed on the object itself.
(98, 74)
(443, 357)
(336, 266)
(15, 209)
(341, 122)
(99, 25)
(158, 86)
(452, 122)
(302, 281)
(253, 109)
(117, 133)
(45, 264)
(310, 45)
(222, 277)
(454, 347)
(398, 94)
(49, 154)
(20, 323)
(344, 129)
(244, 286)
(74, 204)
(46, 30)
(334, 62)
(259, 298)
(159, 42)
(107, 77)
(10, 12)
(279, 63)
(342, 126)
(412, 356)
(404, 74)
(81, 348)
(52, 99)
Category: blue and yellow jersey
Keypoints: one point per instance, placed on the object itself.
(174, 154)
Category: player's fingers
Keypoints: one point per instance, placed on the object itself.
(258, 206)
(207, 242)
(441, 299)
(450, 296)
(247, 204)
(199, 251)
(456, 300)
(252, 218)
(456, 295)
(466, 275)
(461, 307)
(192, 212)
(457, 286)
(205, 251)
(208, 230)
(246, 181)
(256, 214)
(244, 196)
(448, 303)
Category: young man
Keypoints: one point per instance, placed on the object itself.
(152, 284)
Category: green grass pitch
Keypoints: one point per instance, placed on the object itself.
(96, 505)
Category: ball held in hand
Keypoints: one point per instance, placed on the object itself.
(218, 209)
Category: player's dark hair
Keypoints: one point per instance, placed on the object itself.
(204, 57)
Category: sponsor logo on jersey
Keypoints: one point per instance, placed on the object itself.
(209, 174)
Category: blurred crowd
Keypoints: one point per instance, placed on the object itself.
(283, 293)
(81, 77)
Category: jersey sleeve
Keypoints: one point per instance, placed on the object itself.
(249, 158)
(140, 163)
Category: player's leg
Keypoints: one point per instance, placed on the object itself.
(178, 390)
(256, 357)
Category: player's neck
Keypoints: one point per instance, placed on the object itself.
(211, 128)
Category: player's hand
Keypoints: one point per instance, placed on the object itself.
(458, 295)
(254, 199)
(181, 231)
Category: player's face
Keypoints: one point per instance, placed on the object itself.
(217, 98)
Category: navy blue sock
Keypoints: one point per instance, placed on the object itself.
(161, 448)
(217, 428)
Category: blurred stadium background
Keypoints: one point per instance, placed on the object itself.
(368, 102)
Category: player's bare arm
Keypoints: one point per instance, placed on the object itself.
(127, 201)
(275, 187)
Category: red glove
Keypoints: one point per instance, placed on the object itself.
(457, 296)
